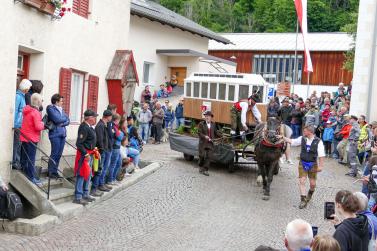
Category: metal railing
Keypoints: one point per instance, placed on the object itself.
(45, 155)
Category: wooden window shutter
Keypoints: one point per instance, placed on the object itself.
(65, 87)
(93, 93)
(81, 7)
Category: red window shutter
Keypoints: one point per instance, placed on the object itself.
(76, 6)
(65, 87)
(81, 7)
(93, 93)
(84, 8)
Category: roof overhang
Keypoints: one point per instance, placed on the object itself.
(192, 53)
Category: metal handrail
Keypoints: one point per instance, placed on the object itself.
(45, 154)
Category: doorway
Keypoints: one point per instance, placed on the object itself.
(180, 73)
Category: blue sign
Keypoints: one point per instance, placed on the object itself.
(271, 92)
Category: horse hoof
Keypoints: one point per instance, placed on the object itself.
(265, 197)
(259, 180)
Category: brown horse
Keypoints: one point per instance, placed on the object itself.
(269, 147)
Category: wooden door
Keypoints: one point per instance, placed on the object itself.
(180, 73)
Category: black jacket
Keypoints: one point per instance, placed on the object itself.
(285, 114)
(352, 234)
(86, 138)
(103, 141)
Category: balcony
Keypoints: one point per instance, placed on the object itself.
(44, 6)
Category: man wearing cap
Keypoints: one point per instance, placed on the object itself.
(207, 132)
(104, 148)
(86, 147)
(353, 140)
(239, 111)
(311, 161)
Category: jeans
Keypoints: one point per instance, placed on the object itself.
(57, 147)
(116, 161)
(105, 163)
(144, 131)
(169, 124)
(364, 188)
(296, 129)
(16, 149)
(335, 152)
(180, 121)
(158, 132)
(135, 155)
(28, 151)
(81, 187)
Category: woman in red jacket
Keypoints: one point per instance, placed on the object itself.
(31, 128)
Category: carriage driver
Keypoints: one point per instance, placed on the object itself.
(311, 161)
(239, 111)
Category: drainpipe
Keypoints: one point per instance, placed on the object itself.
(371, 70)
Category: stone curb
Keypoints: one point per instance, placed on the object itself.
(67, 211)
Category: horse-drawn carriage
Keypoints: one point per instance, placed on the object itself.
(218, 93)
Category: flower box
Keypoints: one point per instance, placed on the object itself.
(44, 6)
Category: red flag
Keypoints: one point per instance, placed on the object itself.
(301, 9)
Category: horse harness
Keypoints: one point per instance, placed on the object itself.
(280, 144)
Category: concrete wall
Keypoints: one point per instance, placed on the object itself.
(74, 42)
(364, 89)
(146, 37)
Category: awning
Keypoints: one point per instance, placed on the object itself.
(191, 53)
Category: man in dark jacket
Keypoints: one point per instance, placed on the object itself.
(179, 113)
(207, 132)
(285, 111)
(57, 133)
(86, 144)
(104, 148)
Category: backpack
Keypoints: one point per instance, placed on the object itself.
(14, 206)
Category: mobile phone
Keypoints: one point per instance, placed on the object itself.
(329, 210)
(315, 231)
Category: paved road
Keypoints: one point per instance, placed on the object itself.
(178, 209)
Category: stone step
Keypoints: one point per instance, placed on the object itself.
(68, 210)
(61, 195)
(54, 183)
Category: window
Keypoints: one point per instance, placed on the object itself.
(81, 8)
(188, 89)
(213, 91)
(22, 66)
(243, 92)
(222, 89)
(196, 89)
(204, 90)
(277, 67)
(231, 90)
(147, 70)
(77, 89)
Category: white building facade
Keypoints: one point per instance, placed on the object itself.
(82, 44)
(364, 89)
(165, 44)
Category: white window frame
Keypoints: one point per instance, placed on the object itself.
(76, 99)
(150, 73)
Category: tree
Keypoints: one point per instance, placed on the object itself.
(350, 28)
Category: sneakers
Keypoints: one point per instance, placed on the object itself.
(127, 174)
(108, 186)
(112, 183)
(89, 198)
(80, 201)
(351, 174)
(96, 193)
(103, 188)
(36, 181)
(289, 162)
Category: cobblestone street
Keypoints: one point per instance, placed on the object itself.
(178, 209)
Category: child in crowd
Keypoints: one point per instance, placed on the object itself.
(328, 135)
(124, 153)
(162, 93)
(169, 117)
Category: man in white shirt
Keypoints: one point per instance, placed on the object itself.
(239, 114)
(311, 161)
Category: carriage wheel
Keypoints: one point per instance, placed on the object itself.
(188, 157)
(231, 167)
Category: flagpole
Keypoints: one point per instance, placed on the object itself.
(295, 70)
(307, 88)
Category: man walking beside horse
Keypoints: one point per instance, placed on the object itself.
(311, 161)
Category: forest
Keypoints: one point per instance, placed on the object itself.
(264, 15)
(269, 16)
